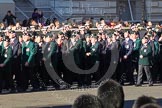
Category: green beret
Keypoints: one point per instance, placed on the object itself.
(87, 35)
(132, 32)
(60, 33)
(49, 34)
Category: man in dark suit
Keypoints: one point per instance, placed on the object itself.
(125, 58)
(78, 51)
(145, 56)
(65, 49)
(135, 52)
(39, 68)
(16, 57)
(103, 65)
(155, 57)
(94, 55)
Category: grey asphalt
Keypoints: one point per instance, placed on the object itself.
(65, 98)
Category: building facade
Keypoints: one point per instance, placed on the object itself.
(110, 9)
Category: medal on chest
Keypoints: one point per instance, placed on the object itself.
(127, 46)
(145, 50)
(27, 49)
(49, 49)
(5, 55)
(134, 45)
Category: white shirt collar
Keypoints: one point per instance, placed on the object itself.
(12, 40)
(6, 47)
(27, 42)
(127, 39)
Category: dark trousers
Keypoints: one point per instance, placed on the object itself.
(16, 70)
(148, 74)
(155, 71)
(29, 74)
(126, 71)
(6, 81)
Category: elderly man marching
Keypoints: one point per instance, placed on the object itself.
(145, 55)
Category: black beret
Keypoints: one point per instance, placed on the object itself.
(7, 39)
(94, 36)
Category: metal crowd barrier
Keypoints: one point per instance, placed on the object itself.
(93, 30)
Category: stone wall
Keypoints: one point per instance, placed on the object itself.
(154, 9)
(85, 7)
(40, 3)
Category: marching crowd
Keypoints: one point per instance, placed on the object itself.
(23, 55)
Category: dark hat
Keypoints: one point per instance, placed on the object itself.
(42, 35)
(149, 35)
(1, 35)
(20, 36)
(87, 35)
(94, 36)
(73, 34)
(78, 33)
(101, 19)
(60, 33)
(28, 34)
(145, 37)
(68, 34)
(132, 32)
(11, 31)
(150, 32)
(7, 39)
(109, 34)
(49, 34)
(34, 33)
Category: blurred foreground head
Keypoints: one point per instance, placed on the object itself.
(151, 105)
(111, 94)
(87, 101)
(142, 100)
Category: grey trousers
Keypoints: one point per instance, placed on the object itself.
(140, 74)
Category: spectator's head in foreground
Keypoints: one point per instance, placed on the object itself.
(144, 100)
(111, 94)
(87, 101)
(151, 105)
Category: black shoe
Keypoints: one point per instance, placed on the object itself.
(13, 91)
(63, 87)
(150, 85)
(19, 90)
(138, 85)
(131, 83)
(122, 83)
